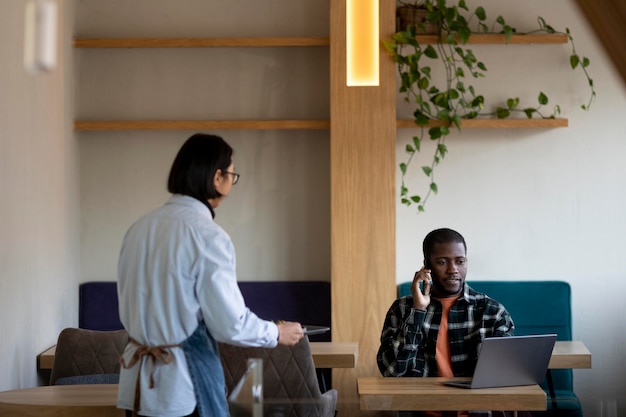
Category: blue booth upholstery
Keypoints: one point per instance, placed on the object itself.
(537, 307)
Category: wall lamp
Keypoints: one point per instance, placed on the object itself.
(362, 43)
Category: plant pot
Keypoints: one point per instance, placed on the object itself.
(415, 16)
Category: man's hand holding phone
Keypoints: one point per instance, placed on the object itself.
(421, 296)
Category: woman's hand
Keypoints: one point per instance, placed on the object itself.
(421, 300)
(289, 332)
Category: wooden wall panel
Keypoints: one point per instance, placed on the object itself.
(608, 20)
(362, 156)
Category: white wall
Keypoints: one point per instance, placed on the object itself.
(39, 227)
(541, 204)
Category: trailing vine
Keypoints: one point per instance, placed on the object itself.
(455, 99)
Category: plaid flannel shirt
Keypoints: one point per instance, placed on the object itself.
(409, 336)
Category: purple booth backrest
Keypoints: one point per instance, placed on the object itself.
(307, 302)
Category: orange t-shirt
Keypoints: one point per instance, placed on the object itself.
(442, 355)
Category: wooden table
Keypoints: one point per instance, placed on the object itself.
(62, 400)
(325, 355)
(395, 394)
(570, 355)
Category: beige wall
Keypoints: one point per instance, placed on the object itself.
(39, 213)
(279, 213)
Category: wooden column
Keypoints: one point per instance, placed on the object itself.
(362, 159)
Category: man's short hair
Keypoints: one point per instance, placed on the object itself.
(443, 235)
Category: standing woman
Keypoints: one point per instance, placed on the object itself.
(178, 294)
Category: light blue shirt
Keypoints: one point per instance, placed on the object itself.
(177, 267)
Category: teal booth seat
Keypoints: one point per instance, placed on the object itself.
(537, 307)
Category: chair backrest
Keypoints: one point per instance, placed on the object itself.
(87, 356)
(288, 374)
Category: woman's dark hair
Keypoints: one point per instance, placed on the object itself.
(195, 166)
(443, 235)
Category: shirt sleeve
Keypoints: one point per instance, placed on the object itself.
(503, 325)
(221, 303)
(400, 352)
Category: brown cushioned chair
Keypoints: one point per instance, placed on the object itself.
(88, 356)
(289, 377)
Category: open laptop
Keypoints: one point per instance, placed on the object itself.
(510, 361)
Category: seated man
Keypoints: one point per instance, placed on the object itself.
(437, 331)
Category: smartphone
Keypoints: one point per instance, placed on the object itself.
(422, 287)
(427, 265)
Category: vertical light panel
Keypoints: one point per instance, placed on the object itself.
(362, 43)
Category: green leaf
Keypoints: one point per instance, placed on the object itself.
(400, 37)
(478, 102)
(433, 187)
(403, 168)
(500, 20)
(421, 120)
(405, 201)
(456, 121)
(543, 99)
(423, 83)
(502, 113)
(430, 52)
(443, 149)
(427, 170)
(481, 66)
(409, 149)
(464, 34)
(417, 142)
(420, 208)
(462, 5)
(512, 103)
(529, 112)
(416, 198)
(403, 190)
(390, 46)
(508, 33)
(586, 62)
(574, 60)
(480, 13)
(434, 133)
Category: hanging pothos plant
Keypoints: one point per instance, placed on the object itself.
(455, 99)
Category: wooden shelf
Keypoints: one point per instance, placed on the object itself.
(492, 39)
(202, 125)
(497, 39)
(85, 125)
(198, 42)
(494, 123)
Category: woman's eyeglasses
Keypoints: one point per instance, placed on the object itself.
(235, 176)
